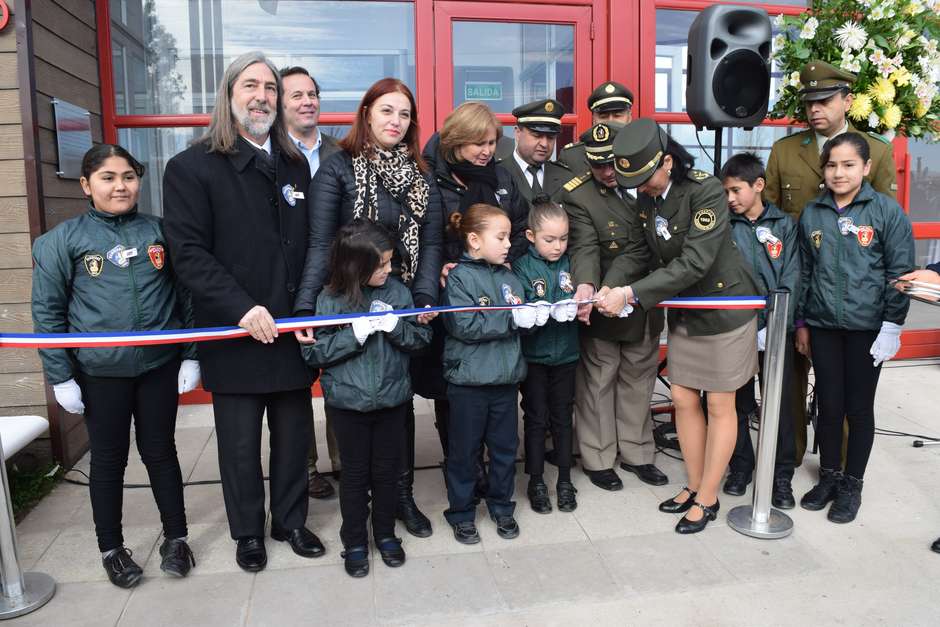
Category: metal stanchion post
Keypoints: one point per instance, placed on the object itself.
(21, 592)
(758, 519)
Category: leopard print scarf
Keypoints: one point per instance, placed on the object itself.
(398, 173)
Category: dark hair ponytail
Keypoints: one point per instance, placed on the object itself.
(474, 220)
(98, 154)
(682, 161)
(356, 253)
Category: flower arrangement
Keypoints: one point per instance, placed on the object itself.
(890, 45)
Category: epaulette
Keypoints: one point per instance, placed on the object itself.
(880, 138)
(577, 181)
(571, 145)
(698, 175)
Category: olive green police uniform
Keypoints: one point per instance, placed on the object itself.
(609, 96)
(795, 178)
(617, 371)
(541, 116)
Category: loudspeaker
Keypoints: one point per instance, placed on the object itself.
(728, 82)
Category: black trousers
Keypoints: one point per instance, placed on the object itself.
(846, 381)
(481, 415)
(548, 405)
(238, 430)
(742, 460)
(110, 402)
(371, 462)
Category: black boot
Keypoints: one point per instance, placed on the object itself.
(822, 492)
(848, 500)
(407, 511)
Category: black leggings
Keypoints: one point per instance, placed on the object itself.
(371, 456)
(151, 399)
(846, 380)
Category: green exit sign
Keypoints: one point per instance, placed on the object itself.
(478, 90)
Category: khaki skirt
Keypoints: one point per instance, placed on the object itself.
(713, 363)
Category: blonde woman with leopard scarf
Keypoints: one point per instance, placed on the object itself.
(380, 175)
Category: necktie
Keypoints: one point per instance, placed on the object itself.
(536, 186)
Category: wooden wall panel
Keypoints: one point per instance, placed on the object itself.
(15, 251)
(22, 389)
(13, 178)
(13, 217)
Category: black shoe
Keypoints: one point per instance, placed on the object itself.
(686, 526)
(782, 497)
(736, 483)
(416, 523)
(935, 547)
(672, 506)
(466, 532)
(605, 479)
(319, 487)
(506, 527)
(538, 498)
(848, 499)
(356, 561)
(566, 496)
(822, 492)
(122, 570)
(648, 473)
(250, 554)
(390, 550)
(304, 542)
(177, 557)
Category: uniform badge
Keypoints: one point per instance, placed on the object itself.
(705, 219)
(845, 225)
(662, 228)
(611, 224)
(643, 215)
(288, 191)
(157, 257)
(539, 286)
(609, 89)
(378, 306)
(549, 107)
(613, 246)
(699, 175)
(865, 235)
(508, 296)
(774, 249)
(118, 256)
(816, 236)
(624, 163)
(94, 264)
(484, 301)
(564, 282)
(600, 133)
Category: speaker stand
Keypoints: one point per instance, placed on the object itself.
(717, 160)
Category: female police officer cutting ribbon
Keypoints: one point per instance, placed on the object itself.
(686, 243)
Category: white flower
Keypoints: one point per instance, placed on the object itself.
(794, 80)
(809, 28)
(780, 41)
(778, 21)
(874, 120)
(851, 35)
(877, 56)
(877, 13)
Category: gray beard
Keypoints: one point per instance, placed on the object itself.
(258, 128)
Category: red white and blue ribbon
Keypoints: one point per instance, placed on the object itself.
(181, 336)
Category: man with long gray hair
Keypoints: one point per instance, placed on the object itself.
(236, 226)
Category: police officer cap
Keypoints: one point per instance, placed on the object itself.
(541, 116)
(821, 80)
(610, 96)
(599, 142)
(638, 150)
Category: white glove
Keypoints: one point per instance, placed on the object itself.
(386, 323)
(761, 339)
(565, 310)
(887, 344)
(524, 317)
(362, 329)
(189, 375)
(69, 396)
(543, 310)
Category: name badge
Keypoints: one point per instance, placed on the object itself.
(662, 228)
(130, 252)
(299, 195)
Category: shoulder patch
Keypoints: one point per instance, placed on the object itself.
(577, 181)
(880, 138)
(705, 219)
(571, 145)
(806, 140)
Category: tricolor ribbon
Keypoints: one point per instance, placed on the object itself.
(209, 334)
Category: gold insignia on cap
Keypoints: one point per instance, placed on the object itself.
(812, 83)
(601, 133)
(624, 163)
(549, 107)
(812, 68)
(705, 219)
(609, 89)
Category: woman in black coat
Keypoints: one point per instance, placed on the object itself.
(380, 175)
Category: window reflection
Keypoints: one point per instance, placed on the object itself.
(925, 181)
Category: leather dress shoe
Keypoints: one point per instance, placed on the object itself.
(506, 527)
(356, 561)
(648, 473)
(824, 491)
(177, 557)
(250, 554)
(319, 487)
(122, 570)
(782, 497)
(390, 550)
(567, 502)
(736, 483)
(935, 547)
(672, 506)
(538, 498)
(304, 542)
(605, 479)
(686, 526)
(465, 532)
